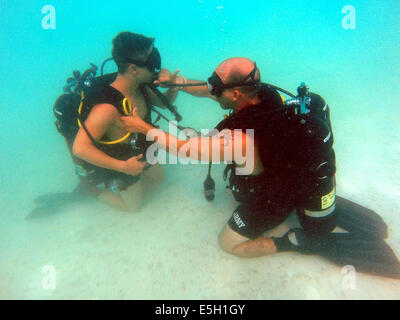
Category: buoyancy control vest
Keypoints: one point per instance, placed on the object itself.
(295, 149)
(72, 109)
(103, 93)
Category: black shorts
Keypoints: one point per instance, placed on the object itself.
(314, 204)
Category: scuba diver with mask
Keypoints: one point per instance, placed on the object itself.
(293, 169)
(110, 160)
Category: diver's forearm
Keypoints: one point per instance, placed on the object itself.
(197, 91)
(166, 141)
(91, 154)
(192, 148)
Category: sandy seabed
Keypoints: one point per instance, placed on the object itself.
(168, 250)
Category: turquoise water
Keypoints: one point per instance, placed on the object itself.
(169, 249)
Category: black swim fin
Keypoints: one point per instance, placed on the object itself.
(51, 203)
(365, 254)
(359, 220)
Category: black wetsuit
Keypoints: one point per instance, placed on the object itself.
(101, 178)
(299, 167)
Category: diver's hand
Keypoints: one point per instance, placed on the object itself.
(134, 123)
(166, 77)
(133, 166)
(179, 80)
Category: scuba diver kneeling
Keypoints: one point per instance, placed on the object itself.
(109, 160)
(294, 169)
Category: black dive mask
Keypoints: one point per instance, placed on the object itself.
(216, 86)
(153, 62)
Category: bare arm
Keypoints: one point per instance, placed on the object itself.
(200, 91)
(197, 91)
(226, 146)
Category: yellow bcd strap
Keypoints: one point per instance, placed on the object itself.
(127, 107)
(127, 110)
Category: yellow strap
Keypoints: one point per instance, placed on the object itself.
(80, 108)
(127, 110)
(127, 107)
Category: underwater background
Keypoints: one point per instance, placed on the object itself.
(169, 249)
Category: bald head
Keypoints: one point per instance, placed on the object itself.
(235, 70)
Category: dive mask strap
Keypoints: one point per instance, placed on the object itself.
(216, 86)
